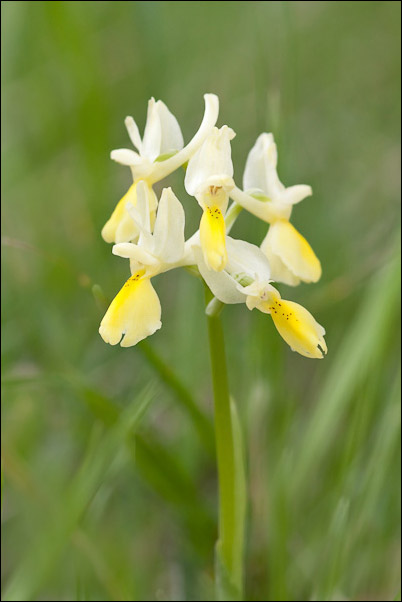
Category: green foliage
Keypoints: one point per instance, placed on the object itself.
(102, 501)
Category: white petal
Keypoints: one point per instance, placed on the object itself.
(266, 210)
(168, 234)
(151, 142)
(126, 230)
(164, 168)
(134, 215)
(246, 259)
(133, 132)
(144, 236)
(222, 285)
(140, 214)
(126, 156)
(260, 171)
(258, 294)
(172, 138)
(262, 156)
(132, 251)
(273, 186)
(213, 159)
(143, 205)
(295, 194)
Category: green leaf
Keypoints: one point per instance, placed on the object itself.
(224, 586)
(240, 501)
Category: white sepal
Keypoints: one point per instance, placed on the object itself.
(268, 211)
(171, 136)
(151, 141)
(261, 179)
(164, 168)
(168, 236)
(262, 157)
(133, 132)
(295, 194)
(246, 259)
(130, 250)
(125, 156)
(163, 135)
(142, 206)
(221, 284)
(212, 164)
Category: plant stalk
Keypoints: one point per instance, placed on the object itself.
(230, 544)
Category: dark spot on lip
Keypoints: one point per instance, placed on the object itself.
(321, 349)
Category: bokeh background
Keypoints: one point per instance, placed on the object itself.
(109, 483)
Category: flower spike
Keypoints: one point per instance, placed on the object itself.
(150, 234)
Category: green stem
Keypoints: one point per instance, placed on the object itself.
(230, 545)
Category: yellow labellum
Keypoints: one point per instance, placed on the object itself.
(291, 257)
(111, 226)
(120, 227)
(297, 327)
(212, 238)
(135, 313)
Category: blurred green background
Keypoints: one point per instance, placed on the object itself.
(109, 483)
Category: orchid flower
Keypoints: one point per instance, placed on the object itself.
(247, 279)
(135, 312)
(291, 257)
(160, 152)
(151, 235)
(209, 178)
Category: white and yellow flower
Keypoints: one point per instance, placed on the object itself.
(209, 178)
(160, 152)
(151, 234)
(247, 279)
(291, 257)
(135, 312)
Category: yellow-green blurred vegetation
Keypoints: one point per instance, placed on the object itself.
(109, 482)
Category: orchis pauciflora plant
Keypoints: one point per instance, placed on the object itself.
(150, 233)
